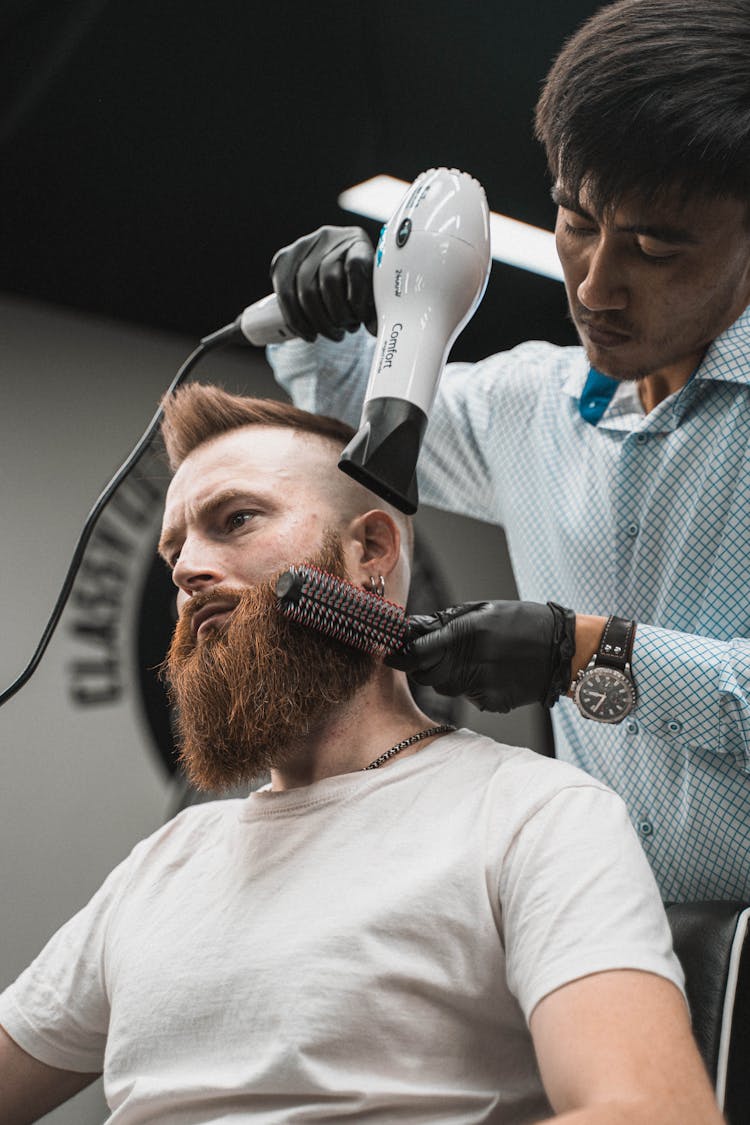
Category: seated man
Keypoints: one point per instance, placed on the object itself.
(469, 933)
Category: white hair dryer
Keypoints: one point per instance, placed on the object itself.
(431, 268)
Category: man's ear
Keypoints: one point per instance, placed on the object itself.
(374, 547)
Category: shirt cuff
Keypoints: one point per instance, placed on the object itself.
(691, 690)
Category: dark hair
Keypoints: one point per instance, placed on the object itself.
(650, 96)
(200, 411)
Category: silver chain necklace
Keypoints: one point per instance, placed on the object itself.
(442, 729)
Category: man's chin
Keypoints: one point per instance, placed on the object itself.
(210, 631)
(620, 374)
(606, 362)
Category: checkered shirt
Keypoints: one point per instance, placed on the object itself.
(642, 515)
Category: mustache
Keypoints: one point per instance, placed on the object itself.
(199, 607)
(579, 315)
(216, 594)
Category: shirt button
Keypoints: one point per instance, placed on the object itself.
(641, 439)
(633, 528)
(674, 727)
(631, 726)
(645, 827)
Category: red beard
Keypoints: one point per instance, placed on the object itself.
(247, 694)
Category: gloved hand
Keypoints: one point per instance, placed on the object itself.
(324, 283)
(500, 655)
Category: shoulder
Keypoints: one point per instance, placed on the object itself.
(534, 359)
(522, 798)
(185, 836)
(574, 890)
(531, 779)
(512, 387)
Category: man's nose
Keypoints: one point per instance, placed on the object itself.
(198, 567)
(604, 285)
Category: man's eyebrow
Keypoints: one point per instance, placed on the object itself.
(166, 543)
(661, 232)
(561, 198)
(205, 508)
(168, 540)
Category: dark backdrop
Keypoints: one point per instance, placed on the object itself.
(154, 155)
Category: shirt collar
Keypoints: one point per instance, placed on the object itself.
(726, 360)
(601, 398)
(728, 357)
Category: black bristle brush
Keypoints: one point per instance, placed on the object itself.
(341, 610)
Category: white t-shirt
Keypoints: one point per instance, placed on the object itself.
(369, 947)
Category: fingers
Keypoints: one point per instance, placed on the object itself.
(284, 266)
(324, 282)
(499, 654)
(406, 659)
(427, 640)
(314, 280)
(359, 265)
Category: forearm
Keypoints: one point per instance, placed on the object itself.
(589, 631)
(29, 1089)
(642, 1112)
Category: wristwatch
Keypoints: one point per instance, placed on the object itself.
(604, 690)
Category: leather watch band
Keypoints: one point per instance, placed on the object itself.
(616, 645)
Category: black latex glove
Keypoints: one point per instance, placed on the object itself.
(324, 283)
(500, 655)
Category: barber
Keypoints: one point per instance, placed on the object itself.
(619, 469)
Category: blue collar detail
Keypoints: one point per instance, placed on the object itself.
(596, 396)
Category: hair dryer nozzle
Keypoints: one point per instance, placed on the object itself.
(383, 453)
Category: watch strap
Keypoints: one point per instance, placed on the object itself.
(616, 647)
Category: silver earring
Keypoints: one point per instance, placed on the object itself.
(377, 585)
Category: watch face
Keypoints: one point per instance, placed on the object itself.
(605, 694)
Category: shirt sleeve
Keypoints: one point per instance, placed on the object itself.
(694, 690)
(325, 377)
(57, 1010)
(578, 897)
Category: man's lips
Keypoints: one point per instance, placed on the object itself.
(604, 335)
(212, 614)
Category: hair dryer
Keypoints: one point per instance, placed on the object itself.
(432, 264)
(431, 268)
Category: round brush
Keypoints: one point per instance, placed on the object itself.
(341, 610)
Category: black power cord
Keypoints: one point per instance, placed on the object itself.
(208, 343)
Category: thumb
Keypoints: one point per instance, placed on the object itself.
(405, 659)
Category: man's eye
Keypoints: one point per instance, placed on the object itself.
(577, 232)
(656, 252)
(238, 520)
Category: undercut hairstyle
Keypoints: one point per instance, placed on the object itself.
(650, 97)
(201, 411)
(198, 412)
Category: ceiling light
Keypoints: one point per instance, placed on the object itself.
(513, 242)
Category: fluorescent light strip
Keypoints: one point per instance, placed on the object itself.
(515, 243)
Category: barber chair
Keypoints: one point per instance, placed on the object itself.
(712, 943)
